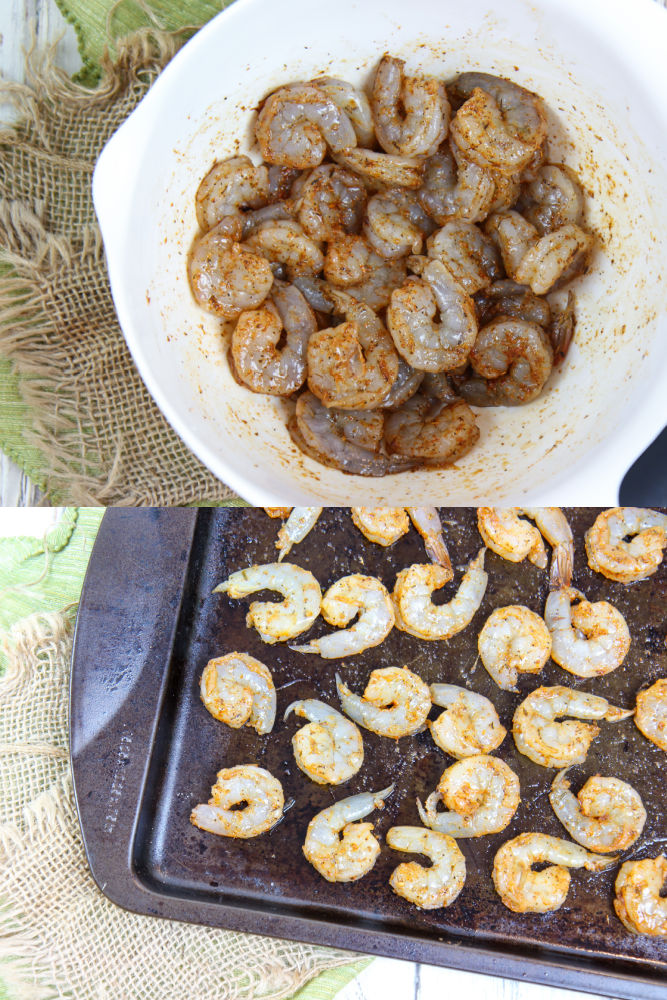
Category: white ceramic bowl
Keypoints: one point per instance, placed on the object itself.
(601, 66)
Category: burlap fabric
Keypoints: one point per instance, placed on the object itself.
(59, 936)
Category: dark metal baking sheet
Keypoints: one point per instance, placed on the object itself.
(144, 750)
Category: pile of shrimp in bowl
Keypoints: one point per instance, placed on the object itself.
(554, 726)
(396, 260)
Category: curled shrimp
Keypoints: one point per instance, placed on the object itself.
(345, 599)
(257, 360)
(297, 124)
(331, 203)
(229, 187)
(433, 432)
(526, 891)
(415, 611)
(588, 640)
(239, 690)
(514, 359)
(283, 241)
(626, 561)
(329, 749)
(351, 263)
(395, 703)
(606, 814)
(277, 622)
(468, 726)
(504, 531)
(295, 528)
(513, 640)
(278, 511)
(545, 741)
(353, 102)
(553, 198)
(481, 793)
(390, 225)
(651, 714)
(455, 191)
(382, 169)
(225, 278)
(382, 525)
(639, 902)
(338, 847)
(507, 298)
(513, 235)
(405, 387)
(428, 888)
(427, 522)
(468, 254)
(500, 124)
(247, 785)
(426, 343)
(555, 259)
(411, 113)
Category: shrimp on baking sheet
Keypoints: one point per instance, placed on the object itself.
(382, 525)
(298, 123)
(607, 814)
(295, 528)
(651, 713)
(588, 640)
(427, 522)
(396, 702)
(526, 891)
(410, 113)
(338, 847)
(468, 726)
(239, 690)
(640, 902)
(482, 794)
(415, 611)
(545, 741)
(509, 536)
(254, 789)
(428, 888)
(278, 511)
(513, 640)
(225, 278)
(350, 596)
(280, 621)
(626, 561)
(329, 749)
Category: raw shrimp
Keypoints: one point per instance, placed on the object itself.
(513, 235)
(411, 113)
(277, 622)
(436, 433)
(506, 298)
(469, 256)
(381, 169)
(351, 263)
(526, 891)
(395, 703)
(225, 277)
(296, 125)
(382, 525)
(468, 726)
(295, 528)
(426, 343)
(427, 522)
(561, 330)
(283, 241)
(433, 887)
(651, 714)
(545, 741)
(339, 848)
(513, 640)
(606, 815)
(553, 198)
(257, 361)
(278, 211)
(500, 125)
(639, 902)
(345, 599)
(415, 611)
(626, 561)
(555, 259)
(404, 388)
(238, 689)
(353, 102)
(589, 640)
(514, 359)
(229, 187)
(260, 794)
(329, 749)
(331, 203)
(390, 228)
(451, 191)
(482, 794)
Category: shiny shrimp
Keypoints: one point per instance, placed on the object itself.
(411, 113)
(276, 622)
(468, 726)
(396, 702)
(433, 887)
(382, 525)
(433, 432)
(606, 815)
(331, 203)
(295, 528)
(296, 125)
(467, 253)
(640, 903)
(338, 847)
(555, 259)
(255, 789)
(626, 561)
(504, 531)
(225, 277)
(651, 714)
(588, 640)
(329, 749)
(415, 611)
(513, 640)
(553, 198)
(427, 522)
(481, 795)
(353, 102)
(283, 241)
(390, 227)
(351, 263)
(513, 360)
(345, 599)
(229, 187)
(237, 689)
(382, 169)
(451, 191)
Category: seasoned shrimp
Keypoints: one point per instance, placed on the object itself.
(411, 113)
(395, 703)
(286, 619)
(382, 525)
(639, 902)
(338, 847)
(381, 169)
(331, 203)
(469, 256)
(500, 125)
(514, 359)
(589, 640)
(295, 528)
(513, 235)
(526, 891)
(257, 360)
(351, 263)
(455, 191)
(482, 794)
(468, 726)
(297, 124)
(434, 432)
(513, 640)
(626, 561)
(329, 749)
(606, 815)
(514, 539)
(226, 278)
(427, 522)
(415, 611)
(238, 689)
(433, 887)
(506, 298)
(555, 259)
(353, 102)
(651, 714)
(545, 741)
(278, 511)
(260, 794)
(229, 187)
(426, 343)
(405, 387)
(345, 599)
(390, 227)
(283, 241)
(553, 198)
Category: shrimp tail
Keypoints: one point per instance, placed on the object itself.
(560, 575)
